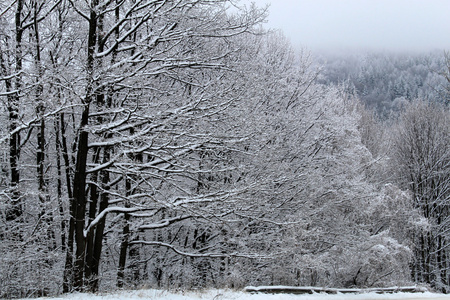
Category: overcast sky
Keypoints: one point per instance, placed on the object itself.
(416, 25)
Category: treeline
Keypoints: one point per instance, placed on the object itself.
(176, 144)
(385, 81)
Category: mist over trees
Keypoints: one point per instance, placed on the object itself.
(178, 144)
(385, 81)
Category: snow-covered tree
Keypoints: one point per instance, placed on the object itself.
(421, 156)
(314, 196)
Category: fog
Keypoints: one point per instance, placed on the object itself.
(399, 25)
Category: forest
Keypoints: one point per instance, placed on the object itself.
(178, 144)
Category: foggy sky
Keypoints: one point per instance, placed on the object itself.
(399, 25)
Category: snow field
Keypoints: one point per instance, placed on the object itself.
(234, 295)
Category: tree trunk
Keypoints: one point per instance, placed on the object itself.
(99, 231)
(79, 181)
(125, 240)
(68, 267)
(59, 183)
(123, 252)
(92, 213)
(16, 210)
(79, 196)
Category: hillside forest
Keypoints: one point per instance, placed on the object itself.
(178, 144)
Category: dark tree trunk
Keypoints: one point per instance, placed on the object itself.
(68, 267)
(99, 231)
(93, 190)
(123, 252)
(59, 183)
(16, 210)
(126, 229)
(79, 196)
(79, 181)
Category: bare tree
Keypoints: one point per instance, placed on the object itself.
(423, 161)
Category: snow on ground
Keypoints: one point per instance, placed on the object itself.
(234, 295)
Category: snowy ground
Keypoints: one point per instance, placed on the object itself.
(233, 295)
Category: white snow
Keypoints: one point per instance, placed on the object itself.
(239, 295)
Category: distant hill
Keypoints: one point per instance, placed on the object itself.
(384, 81)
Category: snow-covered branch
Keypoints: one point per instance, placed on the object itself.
(102, 215)
(211, 255)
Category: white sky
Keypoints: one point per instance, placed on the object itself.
(414, 25)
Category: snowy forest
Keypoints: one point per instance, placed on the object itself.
(179, 144)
